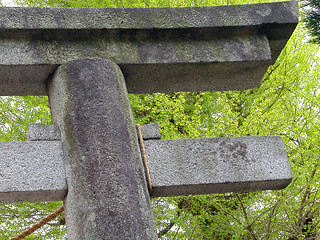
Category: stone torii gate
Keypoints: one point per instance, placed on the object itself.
(86, 60)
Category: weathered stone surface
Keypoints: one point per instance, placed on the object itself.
(31, 172)
(217, 165)
(107, 192)
(146, 18)
(209, 48)
(150, 131)
(42, 132)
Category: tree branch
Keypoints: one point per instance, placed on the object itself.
(166, 229)
(248, 227)
(227, 212)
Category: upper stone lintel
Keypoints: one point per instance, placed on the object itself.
(158, 49)
(148, 18)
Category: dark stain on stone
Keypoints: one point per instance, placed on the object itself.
(33, 48)
(150, 52)
(233, 151)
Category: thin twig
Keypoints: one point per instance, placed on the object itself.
(265, 211)
(227, 212)
(10, 210)
(166, 229)
(269, 221)
(246, 217)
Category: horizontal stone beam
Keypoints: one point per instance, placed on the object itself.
(34, 171)
(158, 49)
(31, 172)
(144, 18)
(217, 165)
(42, 132)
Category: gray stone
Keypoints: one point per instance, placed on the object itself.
(31, 172)
(158, 50)
(42, 132)
(217, 165)
(146, 18)
(107, 191)
(150, 131)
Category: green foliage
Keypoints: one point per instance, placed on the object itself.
(286, 103)
(17, 217)
(16, 113)
(312, 18)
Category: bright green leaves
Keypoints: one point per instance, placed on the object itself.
(17, 112)
(312, 18)
(20, 216)
(178, 113)
(15, 115)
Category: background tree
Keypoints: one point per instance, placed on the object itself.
(312, 18)
(286, 103)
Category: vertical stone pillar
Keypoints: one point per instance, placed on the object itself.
(107, 193)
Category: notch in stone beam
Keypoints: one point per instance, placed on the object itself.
(34, 170)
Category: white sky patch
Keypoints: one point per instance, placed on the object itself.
(8, 3)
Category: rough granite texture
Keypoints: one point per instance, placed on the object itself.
(158, 50)
(107, 192)
(146, 18)
(217, 165)
(177, 167)
(42, 132)
(31, 172)
(150, 131)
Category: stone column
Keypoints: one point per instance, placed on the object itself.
(107, 193)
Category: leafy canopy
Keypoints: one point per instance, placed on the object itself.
(312, 18)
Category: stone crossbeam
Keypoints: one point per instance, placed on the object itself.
(33, 170)
(158, 50)
(217, 165)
